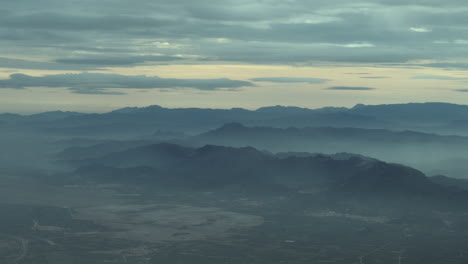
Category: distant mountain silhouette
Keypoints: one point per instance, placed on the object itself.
(128, 154)
(212, 166)
(431, 117)
(40, 117)
(52, 115)
(97, 150)
(422, 150)
(239, 132)
(428, 113)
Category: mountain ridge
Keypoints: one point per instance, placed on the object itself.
(213, 166)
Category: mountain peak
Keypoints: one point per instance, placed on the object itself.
(281, 108)
(129, 110)
(358, 106)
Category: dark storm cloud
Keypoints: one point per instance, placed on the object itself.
(349, 88)
(290, 80)
(98, 83)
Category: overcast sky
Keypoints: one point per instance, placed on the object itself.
(99, 55)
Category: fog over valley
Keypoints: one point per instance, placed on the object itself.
(233, 132)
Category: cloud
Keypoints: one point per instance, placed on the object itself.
(419, 29)
(267, 32)
(355, 45)
(349, 88)
(461, 90)
(447, 65)
(435, 77)
(114, 61)
(97, 83)
(374, 77)
(78, 22)
(38, 65)
(95, 91)
(290, 80)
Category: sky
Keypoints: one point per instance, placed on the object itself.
(94, 56)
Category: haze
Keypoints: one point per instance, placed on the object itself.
(233, 132)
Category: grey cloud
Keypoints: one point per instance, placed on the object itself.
(37, 65)
(441, 18)
(347, 28)
(99, 83)
(290, 80)
(92, 49)
(357, 73)
(95, 91)
(270, 31)
(130, 60)
(374, 77)
(349, 88)
(51, 20)
(434, 77)
(274, 52)
(224, 12)
(449, 65)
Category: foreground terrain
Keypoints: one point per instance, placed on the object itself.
(114, 223)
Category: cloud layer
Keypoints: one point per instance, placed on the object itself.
(97, 83)
(125, 32)
(289, 80)
(349, 88)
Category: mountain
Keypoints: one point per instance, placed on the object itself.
(96, 150)
(213, 167)
(432, 113)
(188, 120)
(132, 121)
(241, 133)
(52, 115)
(284, 110)
(127, 154)
(40, 117)
(8, 117)
(426, 151)
(461, 184)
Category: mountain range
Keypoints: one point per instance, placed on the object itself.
(216, 167)
(428, 117)
(432, 153)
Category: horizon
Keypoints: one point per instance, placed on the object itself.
(217, 108)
